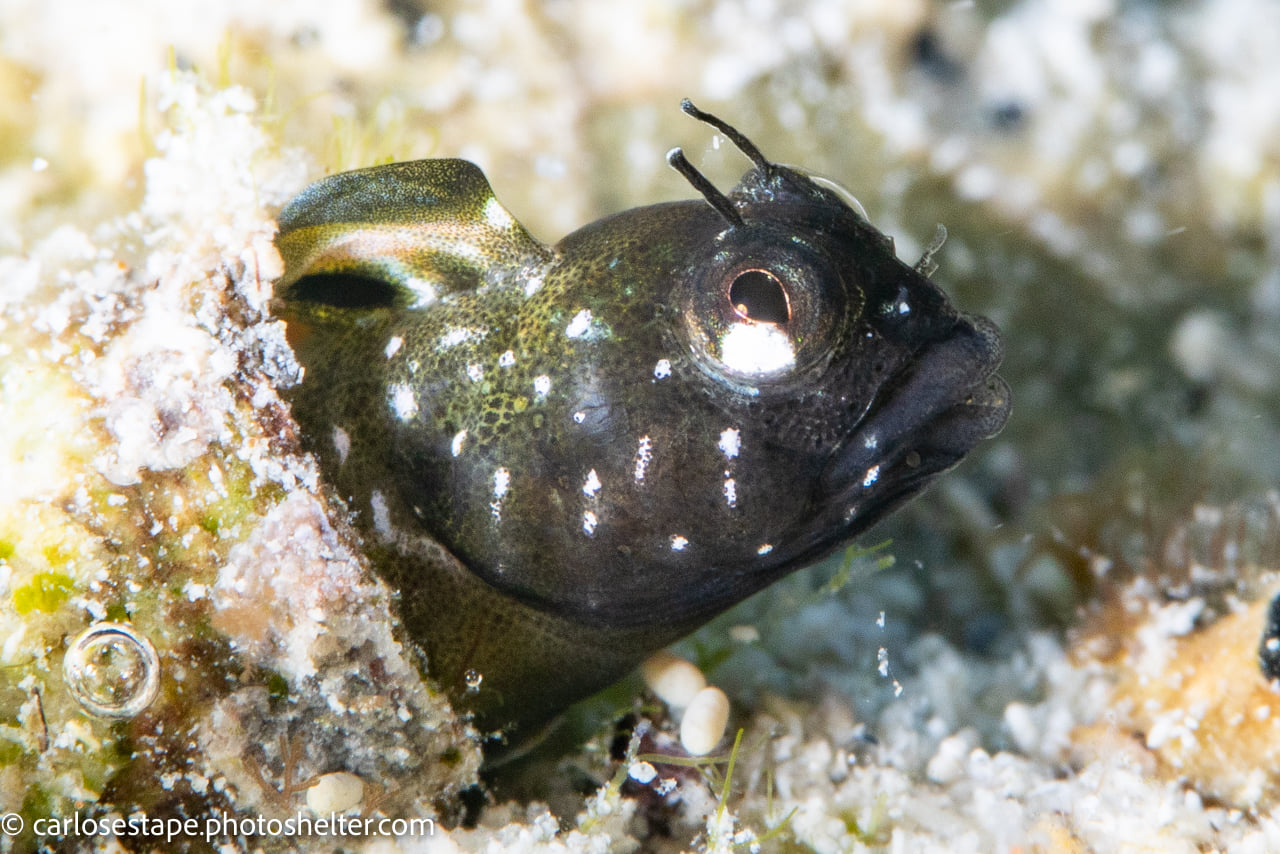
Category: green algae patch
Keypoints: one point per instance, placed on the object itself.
(45, 592)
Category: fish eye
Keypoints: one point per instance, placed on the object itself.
(763, 312)
(758, 296)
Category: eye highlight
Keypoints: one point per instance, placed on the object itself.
(758, 317)
(757, 295)
(757, 349)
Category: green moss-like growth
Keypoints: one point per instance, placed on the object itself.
(45, 592)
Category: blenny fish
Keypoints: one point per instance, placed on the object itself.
(566, 457)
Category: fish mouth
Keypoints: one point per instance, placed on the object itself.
(922, 422)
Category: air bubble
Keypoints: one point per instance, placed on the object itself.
(112, 671)
(473, 678)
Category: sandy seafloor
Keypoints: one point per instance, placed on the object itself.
(1063, 655)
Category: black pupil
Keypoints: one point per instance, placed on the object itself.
(759, 296)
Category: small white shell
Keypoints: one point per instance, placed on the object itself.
(673, 679)
(336, 792)
(704, 721)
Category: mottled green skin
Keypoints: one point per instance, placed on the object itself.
(557, 494)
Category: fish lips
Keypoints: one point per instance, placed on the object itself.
(923, 421)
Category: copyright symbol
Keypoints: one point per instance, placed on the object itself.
(11, 824)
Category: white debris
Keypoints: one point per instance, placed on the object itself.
(673, 679)
(704, 721)
(335, 793)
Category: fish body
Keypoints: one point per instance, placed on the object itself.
(564, 458)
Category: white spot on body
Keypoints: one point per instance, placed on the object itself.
(730, 442)
(579, 417)
(580, 325)
(475, 372)
(507, 359)
(873, 474)
(731, 492)
(394, 345)
(501, 482)
(757, 348)
(678, 543)
(764, 549)
(501, 486)
(662, 369)
(589, 522)
(591, 486)
(496, 216)
(341, 444)
(532, 285)
(460, 335)
(541, 385)
(459, 442)
(871, 441)
(425, 292)
(403, 401)
(644, 453)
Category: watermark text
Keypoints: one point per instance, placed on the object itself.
(218, 825)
